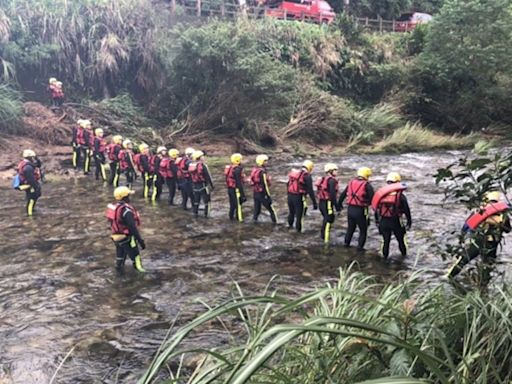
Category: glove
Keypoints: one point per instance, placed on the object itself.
(142, 244)
(315, 207)
(243, 199)
(408, 226)
(212, 187)
(269, 199)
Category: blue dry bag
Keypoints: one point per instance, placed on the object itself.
(16, 182)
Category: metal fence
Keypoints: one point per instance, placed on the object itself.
(222, 9)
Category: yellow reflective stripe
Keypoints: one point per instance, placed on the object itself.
(327, 232)
(406, 244)
(329, 207)
(366, 212)
(116, 175)
(457, 261)
(382, 248)
(266, 184)
(103, 173)
(305, 206)
(30, 207)
(74, 158)
(153, 196)
(239, 213)
(87, 160)
(133, 243)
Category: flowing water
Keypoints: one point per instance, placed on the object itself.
(58, 288)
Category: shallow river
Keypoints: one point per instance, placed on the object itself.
(58, 288)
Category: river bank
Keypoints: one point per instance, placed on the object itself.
(48, 133)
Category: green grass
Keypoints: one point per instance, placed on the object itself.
(350, 332)
(11, 109)
(415, 138)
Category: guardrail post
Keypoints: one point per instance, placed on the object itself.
(366, 22)
(222, 9)
(173, 8)
(198, 8)
(380, 24)
(394, 25)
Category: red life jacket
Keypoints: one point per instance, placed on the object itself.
(183, 172)
(102, 144)
(111, 151)
(114, 214)
(136, 160)
(491, 209)
(124, 159)
(229, 173)
(80, 136)
(296, 182)
(152, 166)
(89, 137)
(21, 168)
(322, 187)
(196, 172)
(54, 90)
(165, 167)
(59, 92)
(257, 179)
(356, 193)
(389, 205)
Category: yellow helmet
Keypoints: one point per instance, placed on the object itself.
(52, 80)
(393, 177)
(236, 158)
(84, 123)
(189, 151)
(261, 159)
(117, 139)
(197, 155)
(127, 143)
(28, 153)
(161, 149)
(79, 122)
(142, 147)
(329, 167)
(174, 153)
(121, 192)
(364, 172)
(308, 164)
(98, 131)
(493, 196)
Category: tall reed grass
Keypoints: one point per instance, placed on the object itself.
(355, 331)
(11, 109)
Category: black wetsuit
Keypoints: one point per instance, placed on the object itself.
(357, 215)
(391, 223)
(262, 197)
(201, 189)
(327, 208)
(297, 202)
(237, 195)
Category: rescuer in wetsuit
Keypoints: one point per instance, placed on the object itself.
(159, 172)
(299, 186)
(327, 192)
(485, 240)
(359, 194)
(184, 181)
(171, 176)
(113, 150)
(99, 155)
(234, 174)
(260, 181)
(29, 172)
(124, 222)
(126, 162)
(388, 217)
(202, 183)
(144, 166)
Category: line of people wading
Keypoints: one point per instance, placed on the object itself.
(189, 173)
